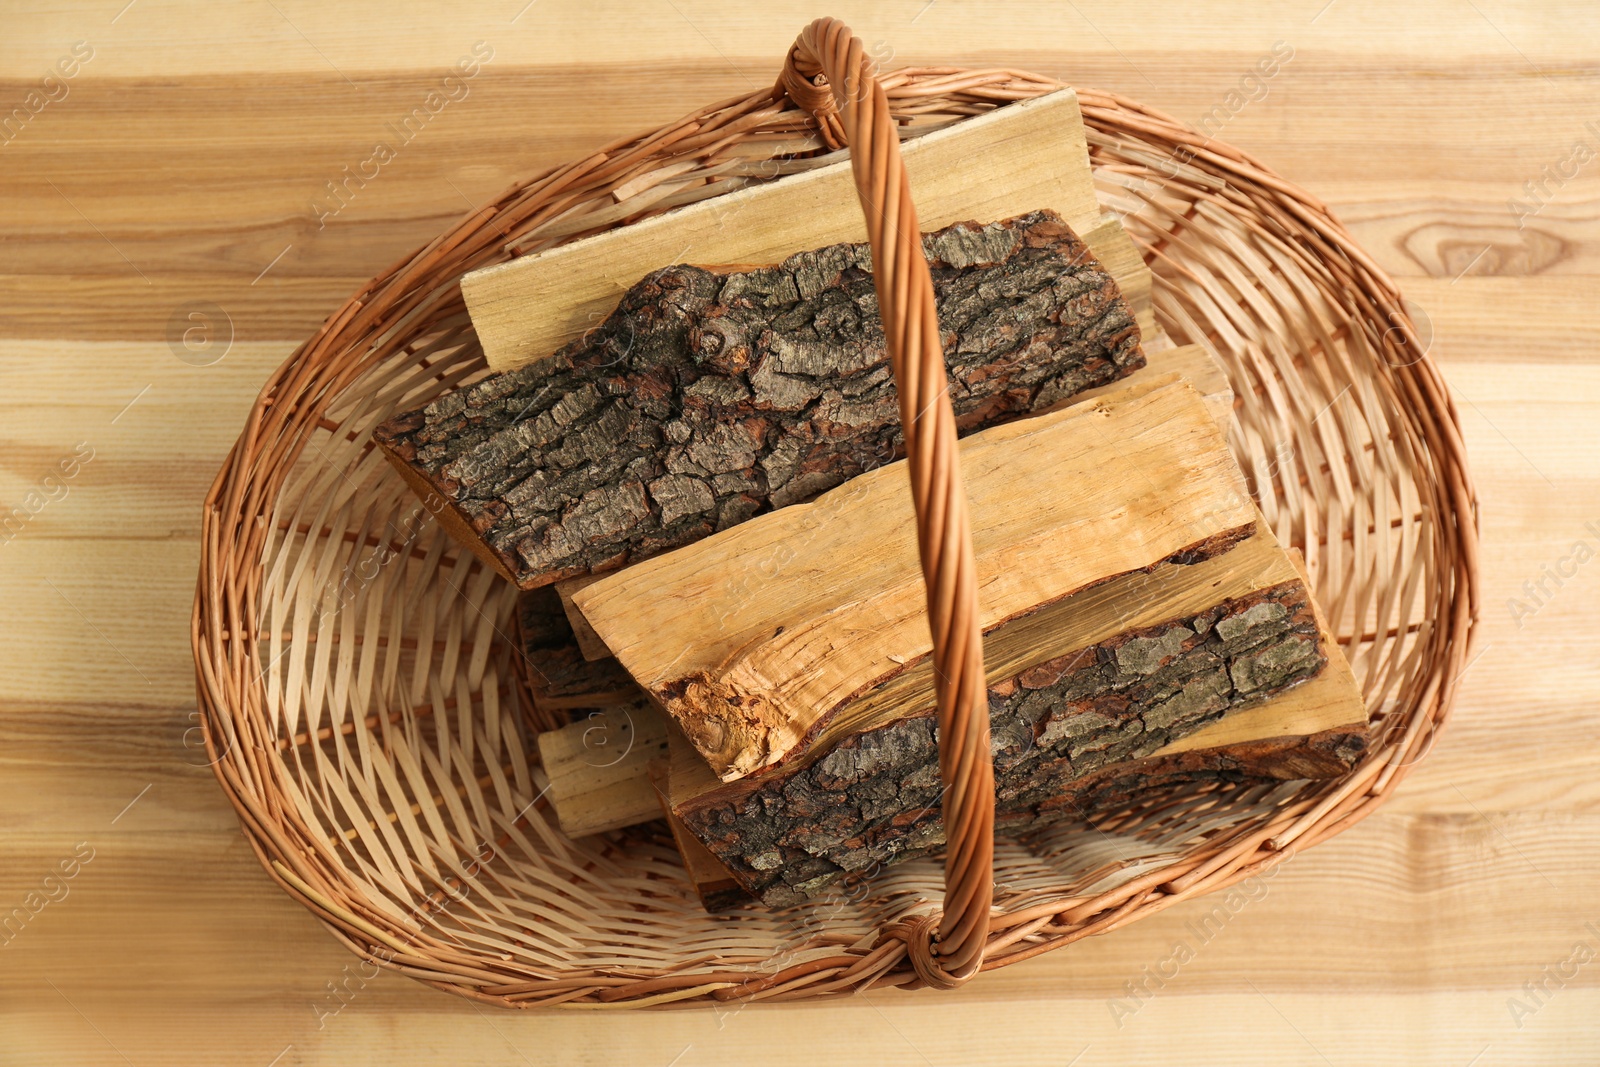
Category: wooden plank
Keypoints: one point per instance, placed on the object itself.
(528, 308)
(62, 278)
(756, 613)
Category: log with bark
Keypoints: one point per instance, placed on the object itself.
(560, 677)
(1311, 731)
(1270, 760)
(756, 640)
(710, 396)
(1113, 673)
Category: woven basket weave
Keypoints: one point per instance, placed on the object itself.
(359, 685)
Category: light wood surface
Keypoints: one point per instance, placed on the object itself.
(181, 168)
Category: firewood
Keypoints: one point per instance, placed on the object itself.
(555, 647)
(597, 768)
(596, 764)
(1165, 362)
(1190, 669)
(757, 639)
(716, 887)
(1018, 158)
(708, 397)
(1314, 730)
(560, 677)
(1191, 363)
(589, 642)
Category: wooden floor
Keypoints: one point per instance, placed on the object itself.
(182, 170)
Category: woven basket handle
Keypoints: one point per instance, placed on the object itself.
(829, 74)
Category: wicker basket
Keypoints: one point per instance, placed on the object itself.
(359, 686)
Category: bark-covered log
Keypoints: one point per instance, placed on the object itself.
(1325, 754)
(874, 796)
(709, 396)
(558, 673)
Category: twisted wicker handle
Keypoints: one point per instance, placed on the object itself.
(828, 74)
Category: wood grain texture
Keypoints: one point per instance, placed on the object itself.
(597, 768)
(193, 145)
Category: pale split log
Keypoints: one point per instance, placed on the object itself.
(1018, 158)
(589, 642)
(597, 768)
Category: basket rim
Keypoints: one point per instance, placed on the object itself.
(240, 495)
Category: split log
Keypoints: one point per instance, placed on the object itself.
(1165, 363)
(716, 887)
(757, 640)
(708, 397)
(1024, 156)
(589, 642)
(1233, 688)
(596, 764)
(597, 768)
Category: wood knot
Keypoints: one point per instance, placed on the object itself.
(715, 346)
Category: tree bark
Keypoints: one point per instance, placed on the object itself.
(558, 674)
(1326, 754)
(874, 796)
(710, 396)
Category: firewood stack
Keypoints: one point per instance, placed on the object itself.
(703, 501)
